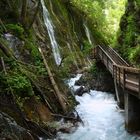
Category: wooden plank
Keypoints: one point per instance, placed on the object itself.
(119, 74)
(130, 87)
(139, 84)
(113, 71)
(118, 55)
(129, 69)
(125, 76)
(123, 79)
(107, 55)
(132, 82)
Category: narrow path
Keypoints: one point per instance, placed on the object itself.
(125, 76)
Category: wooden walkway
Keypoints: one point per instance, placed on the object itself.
(125, 76)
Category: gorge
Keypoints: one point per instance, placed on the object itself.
(43, 43)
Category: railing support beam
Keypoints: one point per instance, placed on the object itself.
(132, 112)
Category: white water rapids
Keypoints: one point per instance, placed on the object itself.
(102, 120)
(50, 29)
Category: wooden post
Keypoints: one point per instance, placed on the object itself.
(113, 70)
(102, 56)
(119, 75)
(115, 83)
(139, 83)
(116, 73)
(123, 79)
(107, 62)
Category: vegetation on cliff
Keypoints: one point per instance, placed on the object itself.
(128, 42)
(32, 87)
(104, 16)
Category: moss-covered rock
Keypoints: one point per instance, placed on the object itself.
(128, 43)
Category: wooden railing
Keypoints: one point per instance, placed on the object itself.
(125, 76)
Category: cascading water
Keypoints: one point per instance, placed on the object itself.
(88, 34)
(50, 29)
(89, 39)
(102, 120)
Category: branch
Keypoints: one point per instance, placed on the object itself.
(55, 86)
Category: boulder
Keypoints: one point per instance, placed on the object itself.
(81, 90)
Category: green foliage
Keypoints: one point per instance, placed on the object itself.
(93, 69)
(104, 15)
(128, 43)
(137, 4)
(31, 46)
(130, 31)
(86, 48)
(19, 83)
(40, 68)
(65, 70)
(134, 56)
(15, 29)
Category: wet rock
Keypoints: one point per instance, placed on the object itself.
(10, 130)
(65, 130)
(80, 91)
(102, 81)
(66, 127)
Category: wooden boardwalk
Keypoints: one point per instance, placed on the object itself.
(125, 76)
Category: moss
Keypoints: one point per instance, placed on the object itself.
(134, 56)
(15, 29)
(128, 36)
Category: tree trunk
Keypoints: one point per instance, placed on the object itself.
(57, 91)
(35, 14)
(3, 25)
(6, 51)
(23, 12)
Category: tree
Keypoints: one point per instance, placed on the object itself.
(24, 12)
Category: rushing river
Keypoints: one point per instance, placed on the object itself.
(102, 120)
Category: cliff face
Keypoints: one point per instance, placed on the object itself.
(27, 93)
(128, 43)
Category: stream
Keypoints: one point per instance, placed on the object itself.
(102, 119)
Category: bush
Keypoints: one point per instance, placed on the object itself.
(86, 48)
(19, 84)
(16, 29)
(93, 69)
(134, 56)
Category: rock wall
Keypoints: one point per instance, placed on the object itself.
(26, 92)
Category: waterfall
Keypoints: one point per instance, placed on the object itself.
(50, 29)
(89, 39)
(88, 34)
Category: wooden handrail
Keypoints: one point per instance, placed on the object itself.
(106, 54)
(129, 69)
(118, 56)
(124, 75)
